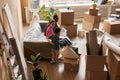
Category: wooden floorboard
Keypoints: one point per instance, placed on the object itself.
(57, 72)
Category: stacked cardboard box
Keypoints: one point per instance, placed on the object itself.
(71, 58)
(112, 27)
(71, 64)
(95, 67)
(71, 30)
(66, 20)
(97, 75)
(93, 12)
(66, 17)
(91, 21)
(113, 65)
(95, 62)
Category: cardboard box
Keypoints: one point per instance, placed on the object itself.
(113, 76)
(71, 61)
(66, 17)
(71, 30)
(81, 33)
(97, 75)
(92, 19)
(112, 27)
(93, 12)
(71, 64)
(113, 63)
(104, 49)
(89, 26)
(95, 63)
(92, 45)
(68, 52)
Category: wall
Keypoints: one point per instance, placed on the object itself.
(15, 7)
(24, 3)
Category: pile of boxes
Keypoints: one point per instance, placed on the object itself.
(66, 20)
(95, 68)
(71, 59)
(71, 64)
(95, 63)
(91, 19)
(113, 61)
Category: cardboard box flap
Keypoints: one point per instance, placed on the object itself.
(68, 52)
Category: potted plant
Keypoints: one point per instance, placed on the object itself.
(37, 72)
(47, 13)
(94, 5)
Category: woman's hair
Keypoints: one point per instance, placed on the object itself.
(57, 30)
(55, 17)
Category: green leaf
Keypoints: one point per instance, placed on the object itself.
(33, 58)
(47, 12)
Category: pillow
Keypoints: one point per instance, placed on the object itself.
(68, 52)
(63, 32)
(34, 31)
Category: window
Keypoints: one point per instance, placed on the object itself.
(49, 2)
(64, 1)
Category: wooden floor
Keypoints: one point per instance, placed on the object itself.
(57, 71)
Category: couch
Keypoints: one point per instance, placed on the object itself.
(35, 42)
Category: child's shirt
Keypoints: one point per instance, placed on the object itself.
(55, 41)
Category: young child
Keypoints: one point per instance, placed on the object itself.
(55, 45)
(49, 31)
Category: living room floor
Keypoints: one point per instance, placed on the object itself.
(57, 71)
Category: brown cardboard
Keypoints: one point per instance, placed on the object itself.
(104, 49)
(71, 64)
(113, 76)
(96, 75)
(81, 33)
(66, 17)
(92, 19)
(89, 26)
(71, 61)
(68, 52)
(71, 30)
(95, 62)
(93, 12)
(113, 63)
(92, 44)
(112, 27)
